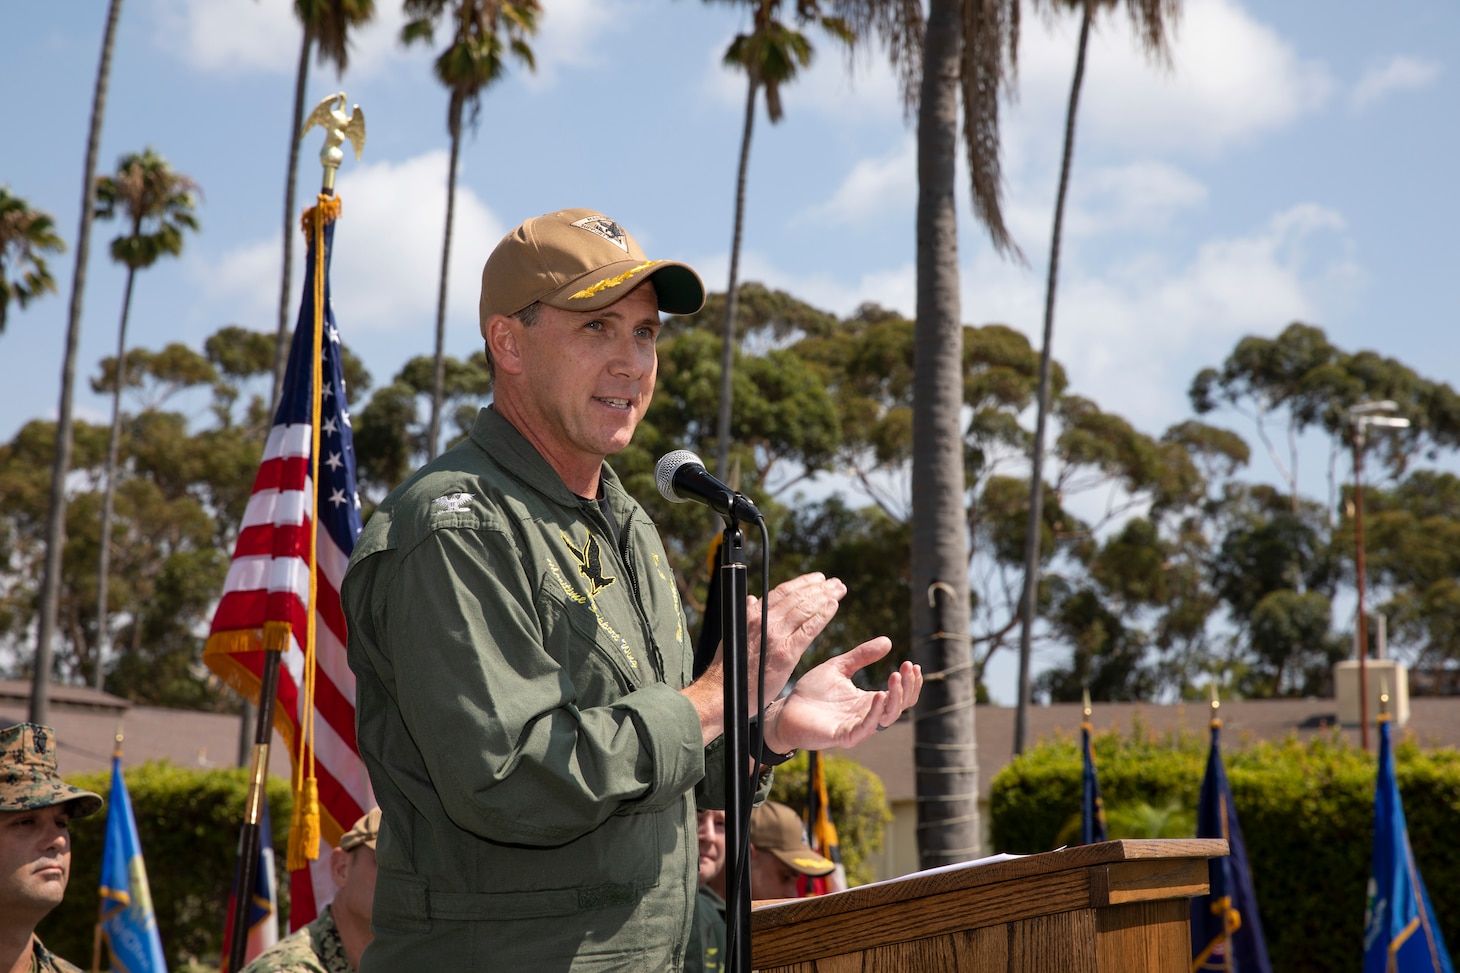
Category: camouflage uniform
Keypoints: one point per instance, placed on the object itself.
(46, 961)
(316, 948)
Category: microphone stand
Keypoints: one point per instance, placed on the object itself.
(738, 792)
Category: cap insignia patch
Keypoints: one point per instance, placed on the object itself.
(606, 228)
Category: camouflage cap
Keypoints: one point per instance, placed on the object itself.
(28, 775)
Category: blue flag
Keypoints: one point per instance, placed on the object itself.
(1400, 931)
(1092, 808)
(128, 923)
(1226, 931)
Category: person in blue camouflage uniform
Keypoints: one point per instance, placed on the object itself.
(333, 942)
(36, 808)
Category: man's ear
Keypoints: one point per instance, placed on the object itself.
(504, 339)
(339, 867)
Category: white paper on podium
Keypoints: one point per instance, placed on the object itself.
(956, 866)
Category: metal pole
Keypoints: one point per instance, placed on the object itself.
(1363, 622)
(738, 788)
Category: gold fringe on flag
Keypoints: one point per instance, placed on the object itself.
(304, 827)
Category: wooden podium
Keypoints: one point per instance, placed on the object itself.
(1113, 907)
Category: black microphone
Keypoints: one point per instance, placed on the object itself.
(681, 476)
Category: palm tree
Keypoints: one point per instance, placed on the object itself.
(472, 61)
(969, 51)
(1149, 18)
(159, 204)
(327, 25)
(770, 55)
(61, 464)
(24, 234)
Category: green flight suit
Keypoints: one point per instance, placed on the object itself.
(518, 671)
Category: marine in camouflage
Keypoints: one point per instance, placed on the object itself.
(48, 962)
(316, 948)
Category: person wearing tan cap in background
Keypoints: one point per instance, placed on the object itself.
(523, 664)
(334, 941)
(36, 808)
(779, 854)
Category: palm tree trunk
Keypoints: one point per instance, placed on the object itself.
(945, 752)
(281, 340)
(732, 291)
(109, 491)
(1032, 530)
(438, 373)
(61, 464)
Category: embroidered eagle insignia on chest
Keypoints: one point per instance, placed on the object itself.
(451, 503)
(590, 563)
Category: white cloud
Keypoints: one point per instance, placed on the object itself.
(1231, 79)
(570, 34)
(1131, 335)
(1400, 74)
(874, 187)
(387, 260)
(264, 36)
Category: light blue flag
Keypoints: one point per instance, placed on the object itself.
(1400, 931)
(128, 923)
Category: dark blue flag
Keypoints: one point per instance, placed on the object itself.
(128, 923)
(1092, 808)
(1400, 932)
(1226, 931)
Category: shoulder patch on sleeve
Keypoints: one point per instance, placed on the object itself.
(451, 503)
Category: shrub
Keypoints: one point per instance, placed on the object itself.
(1306, 810)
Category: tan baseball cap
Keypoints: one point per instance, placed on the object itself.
(364, 832)
(777, 829)
(579, 260)
(29, 779)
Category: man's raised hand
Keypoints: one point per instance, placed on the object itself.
(826, 709)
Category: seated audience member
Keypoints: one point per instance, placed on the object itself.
(333, 942)
(706, 952)
(779, 854)
(36, 808)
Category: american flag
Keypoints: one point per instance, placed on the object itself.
(267, 589)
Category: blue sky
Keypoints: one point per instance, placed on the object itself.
(1295, 163)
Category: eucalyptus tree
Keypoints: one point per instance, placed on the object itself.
(771, 53)
(326, 31)
(50, 594)
(158, 205)
(483, 33)
(25, 234)
(1151, 20)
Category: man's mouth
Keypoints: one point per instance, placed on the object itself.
(614, 403)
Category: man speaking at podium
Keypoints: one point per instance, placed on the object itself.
(525, 706)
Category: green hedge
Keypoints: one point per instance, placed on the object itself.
(188, 823)
(1306, 811)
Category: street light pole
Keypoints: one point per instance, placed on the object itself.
(1361, 416)
(1363, 622)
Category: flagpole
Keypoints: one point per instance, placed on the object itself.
(101, 906)
(338, 127)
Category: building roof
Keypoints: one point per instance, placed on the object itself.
(1433, 721)
(86, 724)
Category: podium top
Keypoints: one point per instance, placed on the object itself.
(1113, 906)
(920, 885)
